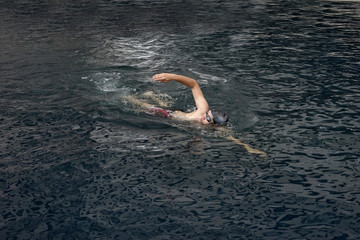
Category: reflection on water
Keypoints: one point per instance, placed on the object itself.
(78, 162)
(131, 52)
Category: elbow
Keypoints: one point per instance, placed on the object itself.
(194, 84)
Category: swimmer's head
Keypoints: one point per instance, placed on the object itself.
(215, 117)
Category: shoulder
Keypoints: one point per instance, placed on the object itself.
(196, 114)
(186, 116)
(180, 115)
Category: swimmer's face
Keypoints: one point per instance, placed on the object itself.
(207, 118)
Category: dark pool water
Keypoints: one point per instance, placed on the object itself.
(77, 162)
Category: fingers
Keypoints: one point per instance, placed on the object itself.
(157, 77)
(160, 77)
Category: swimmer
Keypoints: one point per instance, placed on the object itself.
(203, 113)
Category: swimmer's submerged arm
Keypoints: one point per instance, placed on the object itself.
(227, 133)
(247, 147)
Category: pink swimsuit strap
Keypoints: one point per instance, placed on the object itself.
(160, 112)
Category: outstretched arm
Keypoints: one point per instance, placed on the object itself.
(199, 98)
(247, 147)
(227, 133)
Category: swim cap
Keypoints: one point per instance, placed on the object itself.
(219, 117)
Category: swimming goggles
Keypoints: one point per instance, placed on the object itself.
(208, 118)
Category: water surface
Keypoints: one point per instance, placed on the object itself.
(77, 162)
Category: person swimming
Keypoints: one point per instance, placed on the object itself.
(203, 113)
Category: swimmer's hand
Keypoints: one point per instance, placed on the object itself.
(162, 77)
